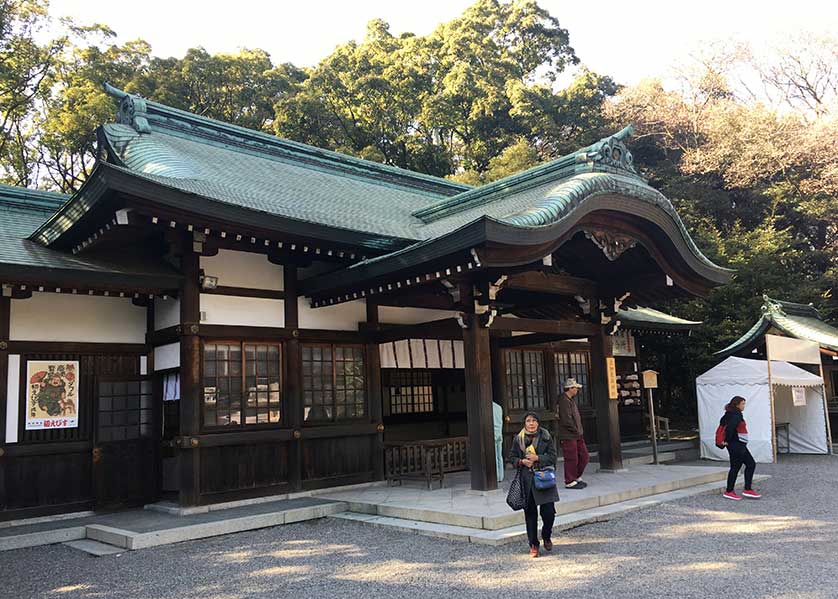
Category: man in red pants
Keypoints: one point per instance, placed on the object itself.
(570, 435)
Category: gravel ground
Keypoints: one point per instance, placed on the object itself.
(783, 546)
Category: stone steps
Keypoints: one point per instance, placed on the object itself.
(506, 519)
(120, 539)
(517, 533)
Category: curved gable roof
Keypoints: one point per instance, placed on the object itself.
(800, 321)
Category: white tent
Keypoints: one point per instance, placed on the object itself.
(749, 379)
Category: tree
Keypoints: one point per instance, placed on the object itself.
(25, 65)
(440, 103)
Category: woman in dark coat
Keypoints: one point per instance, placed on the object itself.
(736, 441)
(533, 449)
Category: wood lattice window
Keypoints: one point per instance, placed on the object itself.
(575, 365)
(334, 382)
(525, 386)
(408, 391)
(242, 384)
(125, 411)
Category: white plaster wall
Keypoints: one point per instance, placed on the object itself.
(12, 398)
(80, 318)
(243, 269)
(166, 313)
(247, 311)
(340, 317)
(167, 356)
(392, 315)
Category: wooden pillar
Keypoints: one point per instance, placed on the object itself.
(190, 377)
(5, 325)
(607, 414)
(294, 379)
(373, 361)
(551, 377)
(484, 476)
(499, 395)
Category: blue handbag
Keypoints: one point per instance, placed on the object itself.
(545, 478)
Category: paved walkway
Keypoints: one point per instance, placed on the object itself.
(780, 547)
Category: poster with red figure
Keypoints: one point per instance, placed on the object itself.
(52, 395)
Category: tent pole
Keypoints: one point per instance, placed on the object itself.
(771, 401)
(825, 409)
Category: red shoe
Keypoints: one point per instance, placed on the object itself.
(751, 494)
(534, 551)
(731, 495)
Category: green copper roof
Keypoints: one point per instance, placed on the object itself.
(22, 211)
(800, 321)
(232, 174)
(33, 200)
(641, 318)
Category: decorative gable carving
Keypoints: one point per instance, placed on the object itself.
(613, 245)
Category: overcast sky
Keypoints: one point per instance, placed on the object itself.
(627, 40)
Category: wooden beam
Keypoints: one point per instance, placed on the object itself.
(445, 328)
(545, 282)
(374, 394)
(246, 292)
(479, 414)
(531, 339)
(293, 376)
(190, 375)
(5, 326)
(569, 328)
(607, 413)
(163, 336)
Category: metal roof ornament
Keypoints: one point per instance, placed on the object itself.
(611, 151)
(132, 109)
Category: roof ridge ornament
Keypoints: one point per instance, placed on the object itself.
(611, 151)
(132, 109)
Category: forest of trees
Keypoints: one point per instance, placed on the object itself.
(745, 146)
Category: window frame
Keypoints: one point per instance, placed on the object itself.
(281, 373)
(585, 398)
(414, 399)
(526, 384)
(334, 403)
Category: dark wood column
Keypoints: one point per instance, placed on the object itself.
(373, 361)
(294, 378)
(607, 414)
(190, 377)
(476, 346)
(5, 325)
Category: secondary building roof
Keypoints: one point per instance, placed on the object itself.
(649, 320)
(800, 321)
(22, 211)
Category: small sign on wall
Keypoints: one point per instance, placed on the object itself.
(622, 344)
(611, 370)
(798, 396)
(52, 396)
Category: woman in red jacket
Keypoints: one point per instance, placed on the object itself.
(736, 441)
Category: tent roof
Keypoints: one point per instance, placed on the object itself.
(742, 371)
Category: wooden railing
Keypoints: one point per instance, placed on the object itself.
(426, 460)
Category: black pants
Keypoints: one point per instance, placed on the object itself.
(548, 515)
(739, 455)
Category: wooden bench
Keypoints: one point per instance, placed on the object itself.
(426, 460)
(662, 426)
